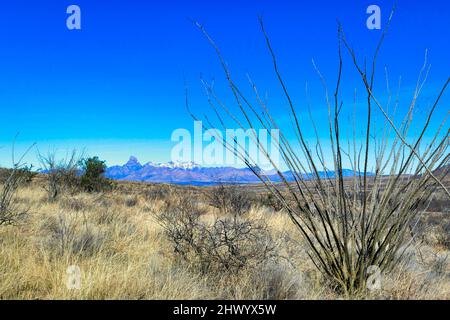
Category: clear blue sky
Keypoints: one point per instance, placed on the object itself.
(116, 88)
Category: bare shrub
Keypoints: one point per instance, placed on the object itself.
(4, 174)
(433, 228)
(180, 218)
(349, 223)
(26, 172)
(234, 243)
(10, 211)
(228, 244)
(442, 236)
(271, 201)
(60, 174)
(229, 199)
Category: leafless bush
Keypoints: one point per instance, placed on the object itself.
(229, 199)
(10, 210)
(349, 224)
(271, 201)
(61, 174)
(442, 235)
(26, 172)
(180, 218)
(433, 229)
(229, 244)
(234, 243)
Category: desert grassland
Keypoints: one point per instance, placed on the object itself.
(123, 253)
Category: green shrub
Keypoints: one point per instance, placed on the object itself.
(92, 179)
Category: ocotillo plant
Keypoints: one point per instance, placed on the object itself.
(349, 223)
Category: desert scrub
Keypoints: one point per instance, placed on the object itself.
(130, 256)
(61, 175)
(11, 210)
(229, 199)
(228, 244)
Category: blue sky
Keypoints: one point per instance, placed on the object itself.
(116, 87)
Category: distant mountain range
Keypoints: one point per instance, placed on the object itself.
(192, 173)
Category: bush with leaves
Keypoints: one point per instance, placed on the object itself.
(92, 178)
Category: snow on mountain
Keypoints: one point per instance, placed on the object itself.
(192, 173)
(176, 164)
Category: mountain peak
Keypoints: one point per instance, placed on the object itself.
(133, 162)
(192, 173)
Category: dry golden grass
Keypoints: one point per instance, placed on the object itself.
(122, 253)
